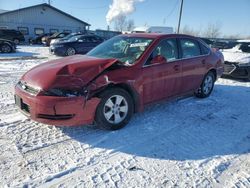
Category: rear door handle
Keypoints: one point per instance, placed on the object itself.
(176, 67)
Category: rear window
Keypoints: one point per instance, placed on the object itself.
(204, 49)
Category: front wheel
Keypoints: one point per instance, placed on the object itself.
(207, 86)
(114, 110)
(70, 51)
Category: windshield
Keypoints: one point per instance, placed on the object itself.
(55, 34)
(125, 49)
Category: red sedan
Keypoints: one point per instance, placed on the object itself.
(118, 78)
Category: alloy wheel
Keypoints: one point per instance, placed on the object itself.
(71, 51)
(115, 109)
(208, 84)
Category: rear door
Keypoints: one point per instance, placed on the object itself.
(162, 79)
(193, 64)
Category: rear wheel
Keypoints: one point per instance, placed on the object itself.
(6, 48)
(114, 110)
(70, 51)
(207, 86)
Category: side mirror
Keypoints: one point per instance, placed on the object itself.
(158, 60)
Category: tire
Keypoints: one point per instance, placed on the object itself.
(207, 86)
(6, 48)
(70, 51)
(16, 41)
(115, 109)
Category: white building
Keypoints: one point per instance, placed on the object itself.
(39, 19)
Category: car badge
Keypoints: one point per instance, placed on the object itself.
(24, 86)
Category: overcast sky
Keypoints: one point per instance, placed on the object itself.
(232, 15)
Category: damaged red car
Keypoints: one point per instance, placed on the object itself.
(118, 78)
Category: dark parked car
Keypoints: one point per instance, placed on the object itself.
(79, 44)
(207, 41)
(237, 61)
(53, 41)
(38, 39)
(118, 78)
(47, 40)
(7, 46)
(13, 35)
(223, 44)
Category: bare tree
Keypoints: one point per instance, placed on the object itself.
(130, 25)
(120, 23)
(212, 30)
(189, 31)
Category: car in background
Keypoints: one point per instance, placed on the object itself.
(47, 40)
(7, 46)
(38, 39)
(237, 61)
(207, 41)
(79, 44)
(118, 78)
(13, 35)
(64, 38)
(223, 44)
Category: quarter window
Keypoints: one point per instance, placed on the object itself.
(190, 48)
(205, 49)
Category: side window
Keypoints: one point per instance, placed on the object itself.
(62, 35)
(190, 48)
(83, 39)
(167, 49)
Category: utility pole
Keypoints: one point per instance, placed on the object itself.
(179, 24)
(49, 2)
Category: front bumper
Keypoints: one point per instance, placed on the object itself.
(60, 51)
(62, 111)
(236, 70)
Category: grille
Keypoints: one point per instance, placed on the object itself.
(23, 106)
(28, 88)
(229, 68)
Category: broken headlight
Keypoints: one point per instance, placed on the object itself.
(62, 93)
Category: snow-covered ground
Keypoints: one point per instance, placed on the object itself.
(183, 143)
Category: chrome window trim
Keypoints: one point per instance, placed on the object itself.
(203, 55)
(177, 59)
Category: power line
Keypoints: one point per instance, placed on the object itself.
(173, 9)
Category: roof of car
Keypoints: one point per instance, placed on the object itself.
(156, 35)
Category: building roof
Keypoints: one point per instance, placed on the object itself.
(2, 11)
(47, 5)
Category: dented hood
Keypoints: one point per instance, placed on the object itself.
(74, 71)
